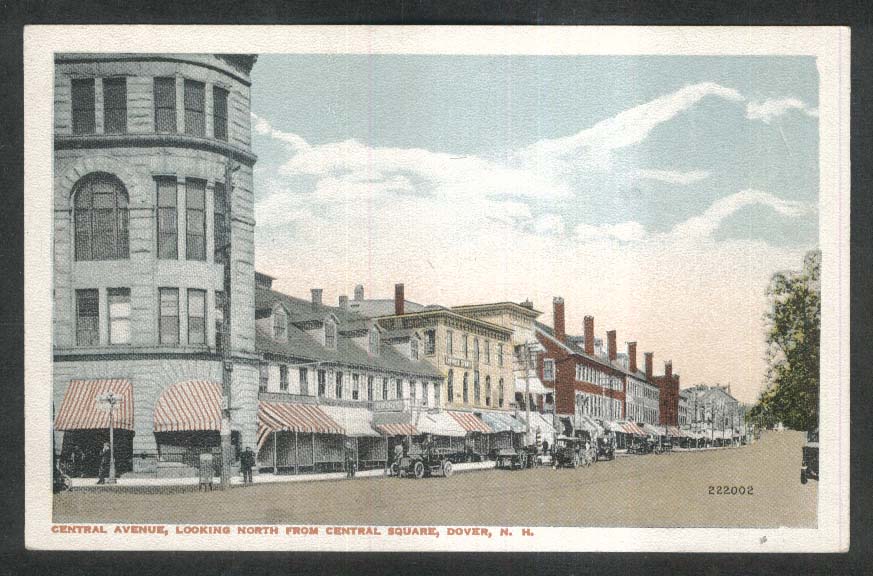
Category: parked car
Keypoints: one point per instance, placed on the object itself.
(605, 448)
(809, 463)
(566, 452)
(513, 458)
(420, 461)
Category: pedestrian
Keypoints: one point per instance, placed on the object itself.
(246, 463)
(105, 458)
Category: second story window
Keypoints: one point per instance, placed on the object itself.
(476, 350)
(488, 352)
(101, 218)
(87, 318)
(465, 346)
(219, 226)
(196, 317)
(219, 317)
(384, 388)
(465, 390)
(280, 324)
(339, 384)
(500, 393)
(114, 105)
(488, 390)
(500, 355)
(356, 387)
(195, 124)
(549, 370)
(264, 378)
(425, 394)
(322, 383)
(119, 315)
(370, 380)
(83, 106)
(429, 342)
(169, 315)
(329, 335)
(168, 228)
(165, 105)
(413, 391)
(450, 386)
(283, 377)
(195, 220)
(413, 348)
(304, 381)
(450, 348)
(477, 398)
(219, 113)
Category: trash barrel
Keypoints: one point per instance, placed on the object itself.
(207, 472)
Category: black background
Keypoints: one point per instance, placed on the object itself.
(14, 15)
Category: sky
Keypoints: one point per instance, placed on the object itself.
(658, 194)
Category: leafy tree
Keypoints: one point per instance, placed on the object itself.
(793, 337)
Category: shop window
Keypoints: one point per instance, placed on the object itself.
(283, 377)
(219, 113)
(119, 315)
(101, 218)
(87, 317)
(195, 227)
(196, 317)
(115, 105)
(169, 315)
(194, 108)
(219, 224)
(83, 106)
(168, 226)
(165, 105)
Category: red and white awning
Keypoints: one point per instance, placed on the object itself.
(288, 417)
(189, 406)
(633, 428)
(81, 410)
(397, 429)
(470, 422)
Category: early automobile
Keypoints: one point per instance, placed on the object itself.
(809, 464)
(421, 461)
(511, 458)
(566, 452)
(605, 448)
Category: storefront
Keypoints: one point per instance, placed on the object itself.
(369, 446)
(298, 437)
(444, 430)
(507, 432)
(476, 439)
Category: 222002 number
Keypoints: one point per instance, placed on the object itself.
(731, 490)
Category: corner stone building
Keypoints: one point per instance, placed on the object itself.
(143, 144)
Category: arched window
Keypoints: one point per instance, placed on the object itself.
(101, 218)
(450, 387)
(465, 391)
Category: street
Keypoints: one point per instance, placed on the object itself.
(670, 490)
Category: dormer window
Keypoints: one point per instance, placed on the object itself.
(374, 342)
(413, 348)
(280, 324)
(329, 334)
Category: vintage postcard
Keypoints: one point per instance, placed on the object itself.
(437, 288)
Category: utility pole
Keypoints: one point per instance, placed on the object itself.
(226, 358)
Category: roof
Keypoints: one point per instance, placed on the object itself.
(533, 313)
(572, 346)
(441, 311)
(302, 345)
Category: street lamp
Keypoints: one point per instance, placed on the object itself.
(107, 402)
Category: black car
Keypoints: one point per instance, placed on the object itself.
(809, 464)
(423, 461)
(605, 449)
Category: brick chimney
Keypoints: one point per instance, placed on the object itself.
(316, 297)
(632, 356)
(558, 318)
(588, 333)
(610, 345)
(343, 302)
(668, 370)
(649, 367)
(399, 299)
(359, 292)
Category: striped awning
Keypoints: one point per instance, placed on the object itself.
(675, 432)
(471, 423)
(189, 406)
(633, 429)
(439, 424)
(650, 430)
(399, 429)
(81, 409)
(503, 422)
(288, 417)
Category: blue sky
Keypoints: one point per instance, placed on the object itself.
(379, 169)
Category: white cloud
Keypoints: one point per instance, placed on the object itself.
(549, 224)
(673, 176)
(621, 232)
(769, 110)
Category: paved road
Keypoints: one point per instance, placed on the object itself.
(670, 490)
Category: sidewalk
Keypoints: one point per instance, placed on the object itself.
(264, 478)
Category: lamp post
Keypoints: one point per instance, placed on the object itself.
(108, 402)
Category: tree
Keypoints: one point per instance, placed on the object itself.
(793, 337)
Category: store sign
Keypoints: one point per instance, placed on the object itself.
(458, 362)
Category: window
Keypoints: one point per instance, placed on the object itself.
(87, 317)
(424, 394)
(370, 380)
(429, 342)
(219, 113)
(165, 104)
(436, 394)
(413, 348)
(488, 352)
(356, 387)
(465, 346)
(101, 218)
(476, 392)
(500, 393)
(219, 224)
(264, 378)
(119, 315)
(194, 122)
(500, 355)
(384, 389)
(168, 230)
(549, 370)
(413, 390)
(398, 388)
(374, 342)
(304, 381)
(195, 228)
(476, 350)
(465, 391)
(488, 390)
(169, 319)
(280, 324)
(450, 349)
(83, 106)
(450, 386)
(114, 105)
(322, 383)
(219, 317)
(339, 384)
(283, 377)
(196, 317)
(329, 334)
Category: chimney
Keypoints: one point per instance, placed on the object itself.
(359, 292)
(558, 318)
(316, 297)
(344, 302)
(668, 370)
(589, 335)
(649, 360)
(399, 299)
(610, 345)
(632, 356)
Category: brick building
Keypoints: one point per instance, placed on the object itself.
(668, 386)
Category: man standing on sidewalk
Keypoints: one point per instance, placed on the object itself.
(105, 458)
(246, 463)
